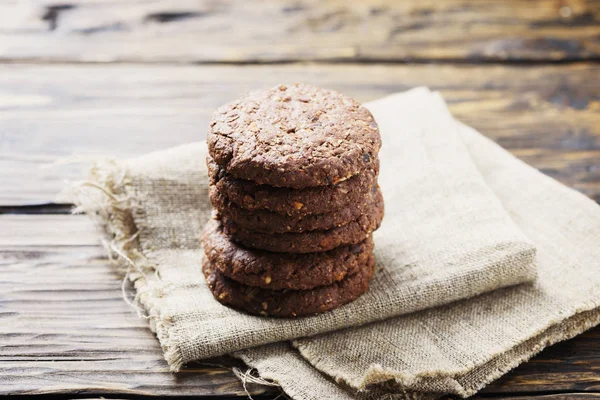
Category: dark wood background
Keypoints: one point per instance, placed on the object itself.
(84, 79)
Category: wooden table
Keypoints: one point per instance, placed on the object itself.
(120, 78)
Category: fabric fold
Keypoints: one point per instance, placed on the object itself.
(459, 348)
(445, 237)
(455, 303)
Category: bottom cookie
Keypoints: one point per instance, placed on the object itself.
(287, 303)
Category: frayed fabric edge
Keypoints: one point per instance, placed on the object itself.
(107, 199)
(499, 364)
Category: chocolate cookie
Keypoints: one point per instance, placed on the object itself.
(294, 202)
(287, 303)
(279, 271)
(311, 241)
(270, 222)
(294, 136)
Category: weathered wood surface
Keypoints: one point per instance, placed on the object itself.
(572, 366)
(67, 330)
(292, 30)
(548, 115)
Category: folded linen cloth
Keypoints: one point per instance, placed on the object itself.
(446, 236)
(459, 348)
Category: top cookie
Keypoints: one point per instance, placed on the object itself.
(294, 136)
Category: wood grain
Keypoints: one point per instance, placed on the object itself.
(573, 365)
(239, 31)
(67, 330)
(547, 115)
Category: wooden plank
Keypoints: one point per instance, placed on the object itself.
(66, 329)
(272, 31)
(547, 115)
(573, 365)
(51, 230)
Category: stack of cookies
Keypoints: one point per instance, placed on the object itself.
(293, 178)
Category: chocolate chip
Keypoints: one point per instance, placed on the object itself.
(357, 248)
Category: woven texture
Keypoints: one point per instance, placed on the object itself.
(460, 347)
(456, 226)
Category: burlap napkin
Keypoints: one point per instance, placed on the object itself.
(461, 347)
(445, 237)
